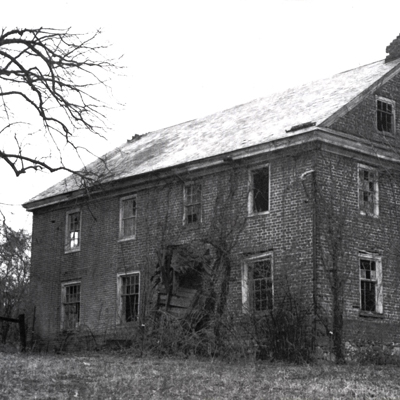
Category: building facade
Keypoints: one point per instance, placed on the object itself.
(296, 192)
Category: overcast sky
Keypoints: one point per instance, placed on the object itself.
(187, 59)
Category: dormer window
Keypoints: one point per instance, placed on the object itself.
(385, 115)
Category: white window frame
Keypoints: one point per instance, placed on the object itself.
(246, 306)
(64, 286)
(121, 218)
(250, 205)
(376, 190)
(120, 306)
(393, 122)
(186, 205)
(377, 279)
(68, 240)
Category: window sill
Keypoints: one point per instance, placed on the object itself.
(369, 314)
(192, 226)
(260, 214)
(364, 214)
(72, 250)
(127, 239)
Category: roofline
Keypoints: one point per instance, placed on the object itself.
(360, 97)
(307, 135)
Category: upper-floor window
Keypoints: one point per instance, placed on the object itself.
(128, 296)
(70, 305)
(257, 284)
(371, 297)
(127, 218)
(368, 190)
(259, 190)
(385, 115)
(73, 231)
(192, 204)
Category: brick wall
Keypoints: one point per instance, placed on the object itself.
(338, 179)
(285, 230)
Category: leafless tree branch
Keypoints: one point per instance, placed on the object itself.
(49, 77)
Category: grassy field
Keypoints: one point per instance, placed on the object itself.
(116, 376)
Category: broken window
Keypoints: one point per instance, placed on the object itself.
(73, 231)
(192, 200)
(385, 115)
(259, 193)
(257, 284)
(71, 305)
(368, 190)
(127, 221)
(128, 287)
(370, 284)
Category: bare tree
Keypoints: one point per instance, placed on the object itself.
(51, 83)
(14, 273)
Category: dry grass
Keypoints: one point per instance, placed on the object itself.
(116, 376)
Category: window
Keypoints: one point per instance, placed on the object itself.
(259, 191)
(128, 294)
(368, 190)
(73, 231)
(70, 305)
(257, 285)
(192, 201)
(385, 115)
(127, 218)
(371, 299)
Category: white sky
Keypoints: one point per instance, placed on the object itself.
(187, 59)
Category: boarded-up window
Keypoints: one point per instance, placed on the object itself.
(127, 226)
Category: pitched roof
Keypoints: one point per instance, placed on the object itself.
(260, 121)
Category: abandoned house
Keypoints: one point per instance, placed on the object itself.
(296, 191)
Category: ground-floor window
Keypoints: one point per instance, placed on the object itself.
(128, 296)
(70, 305)
(257, 283)
(371, 298)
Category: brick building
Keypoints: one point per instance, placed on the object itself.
(301, 188)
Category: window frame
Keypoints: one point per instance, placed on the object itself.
(121, 237)
(67, 244)
(250, 204)
(120, 305)
(378, 282)
(362, 167)
(64, 286)
(192, 204)
(247, 307)
(392, 103)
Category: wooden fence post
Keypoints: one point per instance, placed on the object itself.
(22, 331)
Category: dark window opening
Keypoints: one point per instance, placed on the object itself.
(128, 218)
(261, 190)
(260, 282)
(384, 117)
(368, 285)
(74, 222)
(72, 306)
(193, 204)
(368, 191)
(130, 297)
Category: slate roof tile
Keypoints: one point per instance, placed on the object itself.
(259, 121)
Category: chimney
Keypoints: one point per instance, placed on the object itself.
(393, 50)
